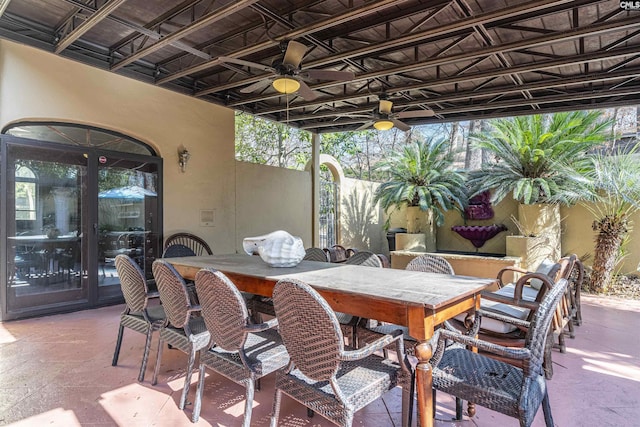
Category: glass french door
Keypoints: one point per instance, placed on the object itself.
(69, 212)
(127, 221)
(46, 228)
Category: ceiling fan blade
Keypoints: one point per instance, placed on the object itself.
(260, 84)
(400, 125)
(416, 113)
(365, 126)
(385, 106)
(294, 53)
(328, 75)
(246, 63)
(306, 92)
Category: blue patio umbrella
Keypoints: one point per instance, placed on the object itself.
(132, 192)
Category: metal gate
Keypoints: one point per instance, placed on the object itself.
(328, 213)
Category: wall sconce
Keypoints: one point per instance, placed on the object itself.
(183, 158)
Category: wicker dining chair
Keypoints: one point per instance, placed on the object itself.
(520, 300)
(368, 332)
(516, 391)
(193, 242)
(348, 322)
(324, 376)
(364, 258)
(183, 331)
(315, 254)
(430, 264)
(177, 250)
(137, 315)
(239, 350)
(263, 305)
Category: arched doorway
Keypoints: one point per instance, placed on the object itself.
(75, 197)
(331, 176)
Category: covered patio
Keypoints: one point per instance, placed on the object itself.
(56, 370)
(173, 74)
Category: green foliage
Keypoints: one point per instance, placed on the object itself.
(421, 175)
(541, 159)
(270, 143)
(614, 183)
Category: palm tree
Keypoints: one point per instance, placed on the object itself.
(421, 174)
(539, 157)
(615, 191)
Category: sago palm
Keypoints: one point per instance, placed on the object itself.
(538, 157)
(615, 196)
(421, 174)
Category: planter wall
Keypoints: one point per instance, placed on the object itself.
(411, 242)
(543, 222)
(531, 250)
(421, 223)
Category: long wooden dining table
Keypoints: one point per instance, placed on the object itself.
(418, 300)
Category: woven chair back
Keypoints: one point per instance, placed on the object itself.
(173, 293)
(309, 328)
(365, 258)
(193, 242)
(223, 308)
(430, 264)
(567, 265)
(178, 250)
(536, 337)
(132, 282)
(315, 254)
(576, 276)
(336, 253)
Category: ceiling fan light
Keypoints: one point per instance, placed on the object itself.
(383, 124)
(286, 85)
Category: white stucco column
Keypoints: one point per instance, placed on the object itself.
(315, 187)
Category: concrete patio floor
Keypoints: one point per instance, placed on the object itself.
(57, 371)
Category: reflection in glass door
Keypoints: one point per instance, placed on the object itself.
(69, 212)
(127, 218)
(46, 228)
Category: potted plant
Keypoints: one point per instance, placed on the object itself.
(540, 161)
(422, 180)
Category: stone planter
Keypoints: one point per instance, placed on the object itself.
(542, 220)
(415, 242)
(531, 250)
(419, 223)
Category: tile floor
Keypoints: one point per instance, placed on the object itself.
(56, 371)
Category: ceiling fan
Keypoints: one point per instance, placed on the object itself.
(383, 119)
(288, 76)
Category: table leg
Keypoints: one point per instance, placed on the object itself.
(424, 381)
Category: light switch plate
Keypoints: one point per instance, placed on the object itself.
(206, 217)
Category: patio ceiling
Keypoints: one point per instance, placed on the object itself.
(462, 59)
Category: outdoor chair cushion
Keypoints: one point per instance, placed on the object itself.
(544, 268)
(497, 326)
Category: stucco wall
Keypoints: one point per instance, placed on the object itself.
(38, 85)
(361, 222)
(577, 235)
(270, 198)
